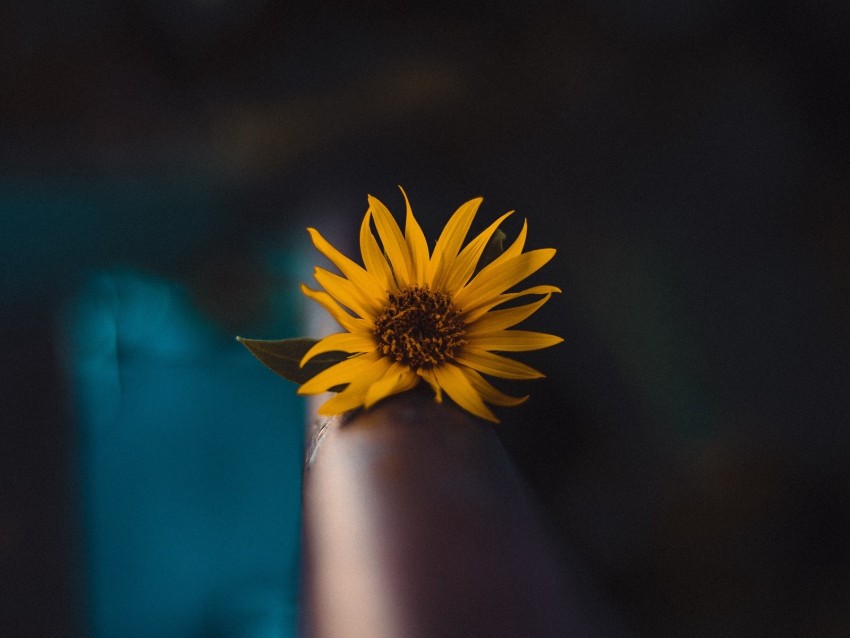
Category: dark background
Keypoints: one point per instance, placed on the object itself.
(690, 162)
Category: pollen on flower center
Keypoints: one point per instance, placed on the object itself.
(420, 328)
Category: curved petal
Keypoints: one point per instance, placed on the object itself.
(514, 250)
(340, 342)
(512, 340)
(397, 379)
(497, 278)
(356, 368)
(348, 294)
(393, 242)
(352, 324)
(416, 243)
(489, 393)
(358, 275)
(348, 399)
(428, 375)
(517, 245)
(373, 258)
(458, 386)
(500, 319)
(464, 265)
(475, 314)
(354, 395)
(449, 243)
(496, 365)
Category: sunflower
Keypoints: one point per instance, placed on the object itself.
(410, 315)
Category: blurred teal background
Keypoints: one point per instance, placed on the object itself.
(689, 160)
(189, 469)
(182, 465)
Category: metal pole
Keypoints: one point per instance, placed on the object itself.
(417, 524)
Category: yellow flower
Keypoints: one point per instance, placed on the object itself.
(413, 315)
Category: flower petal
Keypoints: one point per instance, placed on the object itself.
(517, 245)
(393, 242)
(398, 378)
(352, 324)
(373, 383)
(372, 256)
(416, 243)
(496, 278)
(348, 294)
(514, 250)
(458, 386)
(449, 243)
(464, 265)
(488, 392)
(358, 275)
(496, 365)
(354, 395)
(512, 340)
(340, 342)
(500, 319)
(474, 315)
(348, 399)
(357, 369)
(428, 375)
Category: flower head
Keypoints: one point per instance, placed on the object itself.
(411, 315)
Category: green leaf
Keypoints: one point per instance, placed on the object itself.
(283, 356)
(494, 248)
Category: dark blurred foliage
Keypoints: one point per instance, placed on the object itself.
(690, 162)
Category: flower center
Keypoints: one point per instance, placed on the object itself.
(419, 328)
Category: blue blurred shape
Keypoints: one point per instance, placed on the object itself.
(190, 470)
